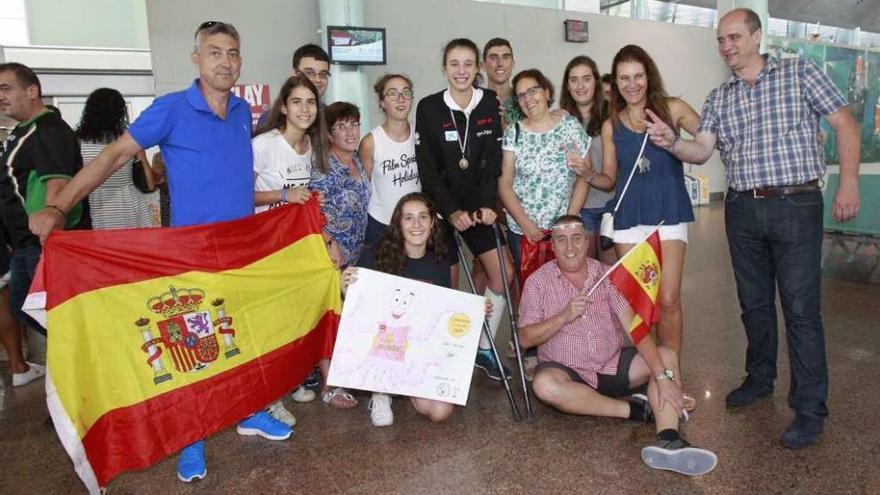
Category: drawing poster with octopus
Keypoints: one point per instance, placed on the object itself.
(409, 338)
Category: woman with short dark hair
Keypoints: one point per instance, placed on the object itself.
(537, 186)
(344, 184)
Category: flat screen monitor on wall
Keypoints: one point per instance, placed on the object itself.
(356, 45)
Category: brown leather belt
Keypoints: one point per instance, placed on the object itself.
(780, 191)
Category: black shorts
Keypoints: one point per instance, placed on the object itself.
(449, 238)
(479, 238)
(608, 385)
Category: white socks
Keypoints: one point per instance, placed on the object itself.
(499, 305)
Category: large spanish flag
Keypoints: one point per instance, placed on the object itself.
(161, 337)
(637, 276)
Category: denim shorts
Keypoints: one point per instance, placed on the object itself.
(22, 268)
(592, 218)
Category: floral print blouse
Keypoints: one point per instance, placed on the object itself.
(542, 179)
(345, 205)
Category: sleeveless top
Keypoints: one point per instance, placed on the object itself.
(116, 203)
(655, 194)
(394, 173)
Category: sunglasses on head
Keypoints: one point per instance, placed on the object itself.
(207, 25)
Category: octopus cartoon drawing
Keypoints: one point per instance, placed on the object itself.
(386, 365)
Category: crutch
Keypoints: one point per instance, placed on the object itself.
(513, 330)
(467, 273)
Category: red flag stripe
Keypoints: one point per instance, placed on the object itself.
(223, 246)
(653, 240)
(175, 356)
(639, 332)
(189, 414)
(633, 292)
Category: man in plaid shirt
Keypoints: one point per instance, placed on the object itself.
(584, 366)
(765, 122)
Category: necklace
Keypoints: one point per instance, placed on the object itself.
(462, 145)
(632, 122)
(643, 164)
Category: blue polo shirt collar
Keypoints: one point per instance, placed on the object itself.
(196, 99)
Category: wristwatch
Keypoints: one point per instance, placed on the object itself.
(666, 374)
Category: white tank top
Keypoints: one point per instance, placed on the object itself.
(394, 173)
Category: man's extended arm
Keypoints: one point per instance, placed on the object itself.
(669, 391)
(697, 150)
(85, 181)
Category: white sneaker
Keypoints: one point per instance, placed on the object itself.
(380, 410)
(302, 394)
(279, 412)
(36, 371)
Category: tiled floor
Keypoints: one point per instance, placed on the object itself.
(480, 450)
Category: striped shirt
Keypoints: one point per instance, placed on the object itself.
(116, 203)
(768, 134)
(590, 345)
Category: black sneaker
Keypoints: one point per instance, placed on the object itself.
(313, 381)
(750, 391)
(803, 432)
(486, 362)
(679, 456)
(642, 401)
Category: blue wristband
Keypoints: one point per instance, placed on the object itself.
(284, 195)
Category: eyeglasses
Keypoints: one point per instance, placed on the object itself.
(406, 94)
(345, 126)
(312, 74)
(528, 93)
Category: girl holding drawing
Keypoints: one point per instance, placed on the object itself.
(413, 247)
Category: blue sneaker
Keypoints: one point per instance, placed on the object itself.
(486, 362)
(264, 425)
(191, 462)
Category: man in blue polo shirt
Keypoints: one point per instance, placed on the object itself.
(204, 135)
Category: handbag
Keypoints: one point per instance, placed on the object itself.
(533, 255)
(606, 227)
(139, 177)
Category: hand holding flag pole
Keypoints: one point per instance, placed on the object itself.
(637, 276)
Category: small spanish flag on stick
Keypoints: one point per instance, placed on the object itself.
(161, 337)
(637, 276)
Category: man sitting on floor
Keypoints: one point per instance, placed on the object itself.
(584, 365)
